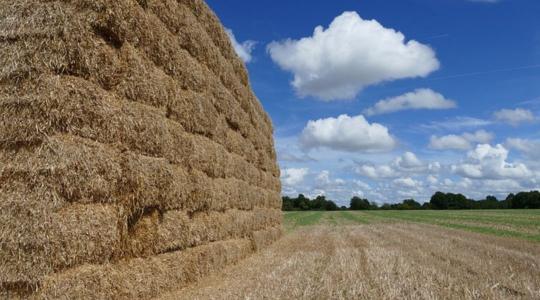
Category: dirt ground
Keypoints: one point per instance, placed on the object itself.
(380, 261)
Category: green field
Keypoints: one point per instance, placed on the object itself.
(523, 224)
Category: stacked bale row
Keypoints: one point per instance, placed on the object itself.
(134, 157)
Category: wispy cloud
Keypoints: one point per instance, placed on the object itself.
(457, 123)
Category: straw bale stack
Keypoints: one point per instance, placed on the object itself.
(134, 157)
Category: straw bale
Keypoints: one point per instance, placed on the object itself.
(44, 242)
(144, 278)
(201, 46)
(98, 61)
(32, 117)
(80, 170)
(178, 230)
(133, 154)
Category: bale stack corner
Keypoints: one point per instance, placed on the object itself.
(134, 157)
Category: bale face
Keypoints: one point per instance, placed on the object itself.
(132, 149)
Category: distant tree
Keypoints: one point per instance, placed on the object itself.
(490, 202)
(358, 203)
(386, 206)
(439, 201)
(450, 201)
(525, 200)
(301, 202)
(287, 204)
(318, 203)
(426, 205)
(411, 204)
(330, 205)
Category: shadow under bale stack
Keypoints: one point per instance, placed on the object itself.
(134, 157)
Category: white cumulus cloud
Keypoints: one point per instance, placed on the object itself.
(293, 176)
(345, 133)
(352, 53)
(460, 142)
(419, 99)
(488, 162)
(402, 166)
(407, 182)
(408, 160)
(376, 172)
(243, 49)
(514, 116)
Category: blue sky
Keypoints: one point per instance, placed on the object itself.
(396, 99)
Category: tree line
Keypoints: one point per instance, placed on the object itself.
(439, 201)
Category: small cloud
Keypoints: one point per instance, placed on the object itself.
(243, 49)
(344, 133)
(419, 99)
(460, 142)
(291, 177)
(407, 182)
(401, 166)
(336, 63)
(514, 117)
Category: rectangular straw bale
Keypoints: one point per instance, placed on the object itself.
(48, 240)
(270, 182)
(195, 39)
(154, 182)
(207, 21)
(28, 59)
(169, 50)
(144, 278)
(237, 117)
(147, 84)
(144, 82)
(75, 169)
(68, 104)
(214, 160)
(195, 111)
(130, 24)
(177, 230)
(31, 19)
(221, 194)
(202, 46)
(109, 175)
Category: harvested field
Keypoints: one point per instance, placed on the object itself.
(134, 157)
(378, 255)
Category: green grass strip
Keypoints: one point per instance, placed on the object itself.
(441, 221)
(355, 217)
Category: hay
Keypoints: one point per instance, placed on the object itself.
(144, 278)
(177, 230)
(134, 157)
